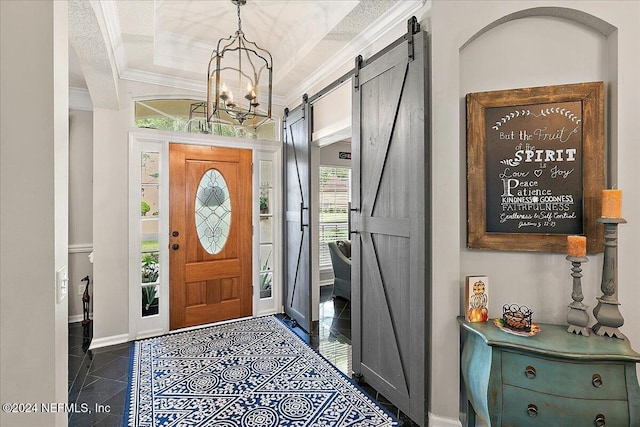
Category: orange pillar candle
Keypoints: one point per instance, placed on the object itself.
(577, 246)
(611, 203)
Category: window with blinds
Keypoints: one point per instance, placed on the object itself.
(335, 194)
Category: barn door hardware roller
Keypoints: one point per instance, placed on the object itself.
(413, 27)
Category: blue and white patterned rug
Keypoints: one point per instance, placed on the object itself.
(252, 373)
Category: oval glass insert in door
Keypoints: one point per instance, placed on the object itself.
(213, 211)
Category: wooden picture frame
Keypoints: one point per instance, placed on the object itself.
(535, 167)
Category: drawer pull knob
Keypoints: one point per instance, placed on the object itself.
(532, 410)
(596, 380)
(599, 420)
(530, 372)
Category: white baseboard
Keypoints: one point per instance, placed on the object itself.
(150, 334)
(436, 421)
(107, 341)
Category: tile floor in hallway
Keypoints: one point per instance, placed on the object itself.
(96, 377)
(100, 377)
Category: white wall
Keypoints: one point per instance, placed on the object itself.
(332, 116)
(80, 208)
(504, 57)
(33, 206)
(110, 223)
(330, 154)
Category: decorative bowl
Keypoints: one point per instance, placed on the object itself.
(517, 317)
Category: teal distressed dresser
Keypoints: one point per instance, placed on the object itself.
(551, 379)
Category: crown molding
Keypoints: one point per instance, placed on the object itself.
(369, 36)
(164, 80)
(80, 99)
(114, 35)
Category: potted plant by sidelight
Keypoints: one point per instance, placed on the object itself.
(144, 208)
(149, 300)
(265, 279)
(150, 271)
(264, 204)
(265, 285)
(150, 268)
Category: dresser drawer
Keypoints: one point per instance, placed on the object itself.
(523, 408)
(571, 379)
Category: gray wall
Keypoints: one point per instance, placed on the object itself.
(33, 207)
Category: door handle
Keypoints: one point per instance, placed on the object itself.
(302, 209)
(349, 230)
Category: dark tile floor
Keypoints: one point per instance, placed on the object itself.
(97, 379)
(100, 377)
(334, 330)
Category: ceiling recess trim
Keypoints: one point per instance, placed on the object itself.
(403, 11)
(114, 34)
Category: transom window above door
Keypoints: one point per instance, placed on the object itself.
(189, 115)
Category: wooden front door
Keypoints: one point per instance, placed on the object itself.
(297, 304)
(390, 287)
(210, 234)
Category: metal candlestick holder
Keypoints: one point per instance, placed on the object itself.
(578, 319)
(607, 312)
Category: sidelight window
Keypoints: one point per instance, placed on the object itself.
(149, 229)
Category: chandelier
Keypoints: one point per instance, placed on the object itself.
(238, 63)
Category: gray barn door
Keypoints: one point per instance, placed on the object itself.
(389, 216)
(297, 129)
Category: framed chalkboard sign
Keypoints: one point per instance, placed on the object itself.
(535, 167)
